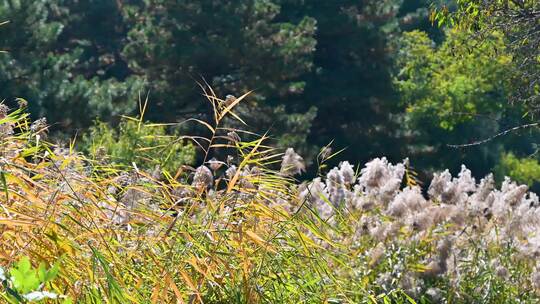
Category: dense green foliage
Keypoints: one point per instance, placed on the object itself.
(62, 60)
(147, 145)
(317, 75)
(374, 77)
(453, 97)
(519, 21)
(525, 170)
(445, 91)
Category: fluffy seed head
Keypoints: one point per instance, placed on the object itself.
(214, 164)
(3, 110)
(234, 137)
(292, 163)
(203, 178)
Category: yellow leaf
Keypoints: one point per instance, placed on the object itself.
(257, 239)
(231, 106)
(190, 284)
(12, 222)
(174, 288)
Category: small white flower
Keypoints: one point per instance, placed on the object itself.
(39, 125)
(381, 179)
(3, 110)
(40, 295)
(448, 190)
(465, 181)
(408, 200)
(234, 137)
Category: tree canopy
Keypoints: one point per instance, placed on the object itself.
(374, 77)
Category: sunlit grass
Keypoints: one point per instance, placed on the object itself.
(123, 235)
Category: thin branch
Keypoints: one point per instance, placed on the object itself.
(476, 143)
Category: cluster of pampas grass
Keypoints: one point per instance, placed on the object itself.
(243, 230)
(461, 230)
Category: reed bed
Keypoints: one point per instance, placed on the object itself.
(242, 229)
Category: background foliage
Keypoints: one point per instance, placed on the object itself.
(374, 77)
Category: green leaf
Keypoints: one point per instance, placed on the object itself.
(408, 298)
(45, 275)
(67, 301)
(4, 183)
(441, 21)
(24, 278)
(41, 272)
(52, 273)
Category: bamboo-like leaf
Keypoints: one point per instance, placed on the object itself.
(232, 105)
(176, 291)
(246, 159)
(4, 184)
(222, 146)
(202, 122)
(191, 285)
(237, 117)
(211, 99)
(259, 241)
(12, 222)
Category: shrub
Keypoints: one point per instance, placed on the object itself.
(145, 144)
(523, 170)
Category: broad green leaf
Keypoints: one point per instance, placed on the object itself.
(24, 278)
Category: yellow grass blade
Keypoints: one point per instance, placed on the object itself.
(191, 285)
(232, 105)
(257, 239)
(11, 222)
